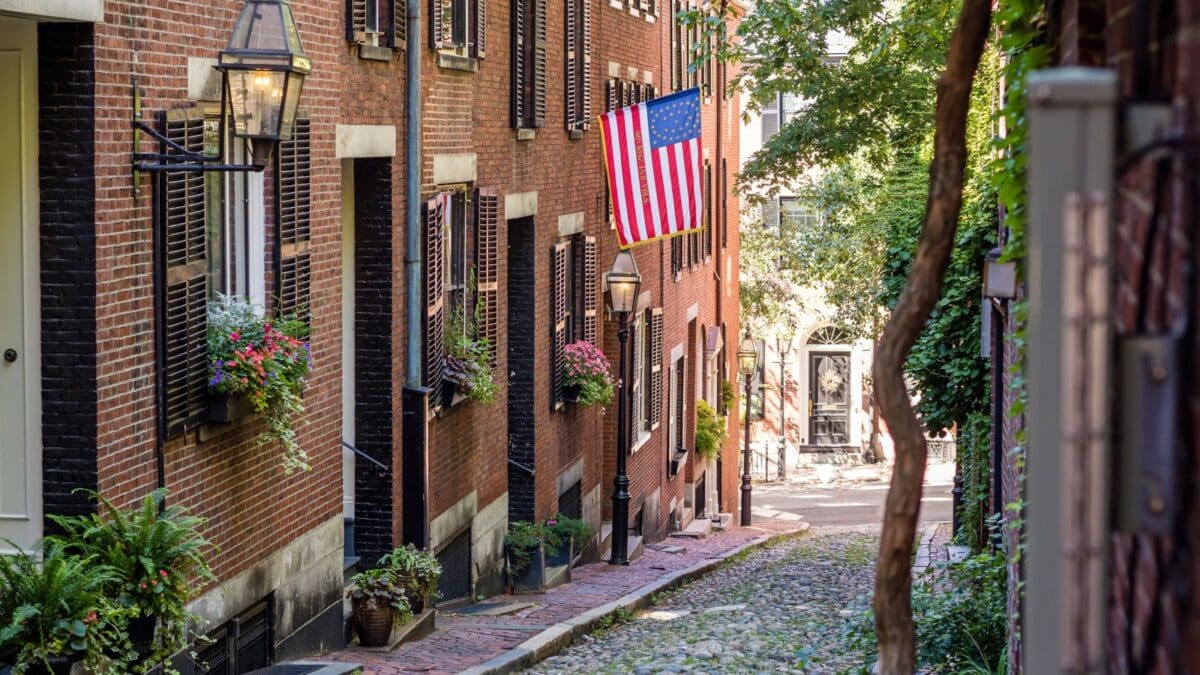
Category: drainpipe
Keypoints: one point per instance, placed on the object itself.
(414, 457)
(412, 197)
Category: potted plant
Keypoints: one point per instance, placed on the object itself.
(377, 604)
(263, 360)
(710, 431)
(157, 554)
(587, 378)
(417, 572)
(56, 614)
(563, 534)
(468, 361)
(524, 549)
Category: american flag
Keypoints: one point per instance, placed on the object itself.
(652, 155)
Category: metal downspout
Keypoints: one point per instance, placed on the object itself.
(412, 197)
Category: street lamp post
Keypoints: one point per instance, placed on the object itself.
(747, 355)
(623, 284)
(785, 346)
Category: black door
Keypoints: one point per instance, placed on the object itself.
(829, 392)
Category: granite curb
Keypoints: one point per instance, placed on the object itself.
(557, 637)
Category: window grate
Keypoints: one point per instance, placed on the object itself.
(455, 559)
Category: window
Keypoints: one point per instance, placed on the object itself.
(707, 234)
(646, 388)
(576, 301)
(458, 27)
(637, 391)
(529, 64)
(677, 255)
(676, 407)
(376, 23)
(685, 41)
(620, 93)
(655, 367)
(777, 113)
(214, 239)
(454, 220)
(795, 216)
(578, 65)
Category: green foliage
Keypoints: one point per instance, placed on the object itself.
(975, 462)
(266, 359)
(586, 367)
(377, 587)
(59, 608)
(468, 354)
(560, 529)
(158, 558)
(710, 431)
(416, 571)
(726, 396)
(521, 540)
(960, 614)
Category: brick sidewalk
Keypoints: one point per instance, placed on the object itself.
(460, 641)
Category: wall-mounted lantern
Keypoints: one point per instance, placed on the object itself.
(999, 278)
(262, 74)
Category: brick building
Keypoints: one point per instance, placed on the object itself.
(106, 385)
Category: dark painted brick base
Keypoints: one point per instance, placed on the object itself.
(521, 419)
(67, 183)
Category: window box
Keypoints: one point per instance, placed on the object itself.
(570, 393)
(229, 408)
(452, 394)
(677, 461)
(531, 579)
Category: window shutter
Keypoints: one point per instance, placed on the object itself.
(293, 180)
(585, 63)
(770, 213)
(540, 76)
(676, 60)
(611, 95)
(356, 20)
(184, 320)
(480, 31)
(656, 359)
(487, 251)
(770, 120)
(520, 64)
(570, 75)
(558, 355)
(676, 254)
(435, 312)
(707, 234)
(680, 405)
(724, 213)
(591, 289)
(398, 37)
(438, 31)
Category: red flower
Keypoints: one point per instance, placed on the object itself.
(235, 336)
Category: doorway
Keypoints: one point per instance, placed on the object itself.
(20, 391)
(829, 387)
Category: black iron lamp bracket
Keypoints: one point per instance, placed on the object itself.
(181, 159)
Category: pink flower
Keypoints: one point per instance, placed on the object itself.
(235, 336)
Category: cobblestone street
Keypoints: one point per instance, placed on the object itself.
(778, 609)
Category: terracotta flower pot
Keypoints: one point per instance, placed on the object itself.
(373, 622)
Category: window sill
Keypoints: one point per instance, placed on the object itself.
(575, 134)
(677, 461)
(616, 4)
(225, 413)
(650, 18)
(641, 440)
(375, 53)
(452, 61)
(526, 134)
(634, 13)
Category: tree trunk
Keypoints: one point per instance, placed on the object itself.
(893, 583)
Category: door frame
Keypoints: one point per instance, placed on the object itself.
(24, 33)
(810, 352)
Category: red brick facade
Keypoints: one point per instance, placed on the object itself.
(283, 534)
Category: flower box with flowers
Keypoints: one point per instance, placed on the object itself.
(264, 361)
(586, 375)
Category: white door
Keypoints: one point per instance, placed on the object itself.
(20, 386)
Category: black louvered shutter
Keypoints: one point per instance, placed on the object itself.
(676, 254)
(590, 280)
(571, 74)
(558, 356)
(184, 320)
(439, 32)
(676, 60)
(656, 371)
(293, 216)
(724, 213)
(435, 310)
(707, 234)
(487, 252)
(612, 94)
(520, 64)
(540, 76)
(480, 32)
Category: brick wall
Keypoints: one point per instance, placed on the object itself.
(66, 146)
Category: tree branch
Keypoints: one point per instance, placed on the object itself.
(893, 582)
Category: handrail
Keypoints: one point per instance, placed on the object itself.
(365, 456)
(521, 466)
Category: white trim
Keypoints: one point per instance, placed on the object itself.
(520, 205)
(370, 140)
(448, 169)
(91, 11)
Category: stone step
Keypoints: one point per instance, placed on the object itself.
(557, 576)
(724, 521)
(308, 668)
(636, 548)
(697, 529)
